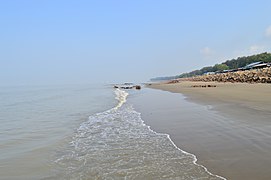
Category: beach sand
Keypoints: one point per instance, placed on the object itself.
(227, 127)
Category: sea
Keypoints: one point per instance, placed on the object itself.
(85, 132)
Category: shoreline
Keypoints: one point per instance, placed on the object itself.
(220, 130)
(195, 159)
(230, 99)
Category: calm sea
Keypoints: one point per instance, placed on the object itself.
(84, 132)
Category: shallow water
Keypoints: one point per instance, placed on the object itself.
(36, 121)
(84, 133)
(116, 144)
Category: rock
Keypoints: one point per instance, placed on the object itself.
(138, 87)
(124, 86)
(248, 76)
(173, 81)
(203, 86)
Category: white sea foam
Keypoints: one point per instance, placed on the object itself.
(117, 144)
(194, 156)
(121, 96)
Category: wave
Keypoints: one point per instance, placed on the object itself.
(121, 96)
(117, 144)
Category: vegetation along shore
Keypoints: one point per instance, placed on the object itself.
(255, 68)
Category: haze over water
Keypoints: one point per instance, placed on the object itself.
(71, 42)
(91, 131)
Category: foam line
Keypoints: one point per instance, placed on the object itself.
(121, 96)
(168, 136)
(194, 156)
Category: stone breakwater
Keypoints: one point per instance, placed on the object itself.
(249, 76)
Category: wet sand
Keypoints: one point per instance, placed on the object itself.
(248, 96)
(227, 127)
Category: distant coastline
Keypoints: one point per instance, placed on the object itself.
(262, 75)
(239, 64)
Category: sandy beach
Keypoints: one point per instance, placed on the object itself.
(247, 96)
(227, 127)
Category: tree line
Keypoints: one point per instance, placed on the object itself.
(228, 64)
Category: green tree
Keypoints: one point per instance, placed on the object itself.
(220, 67)
(229, 64)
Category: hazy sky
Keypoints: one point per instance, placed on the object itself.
(60, 42)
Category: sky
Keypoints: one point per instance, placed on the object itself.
(74, 42)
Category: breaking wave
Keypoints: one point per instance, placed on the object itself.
(116, 144)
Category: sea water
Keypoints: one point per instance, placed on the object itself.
(84, 132)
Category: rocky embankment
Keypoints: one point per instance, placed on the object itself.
(249, 76)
